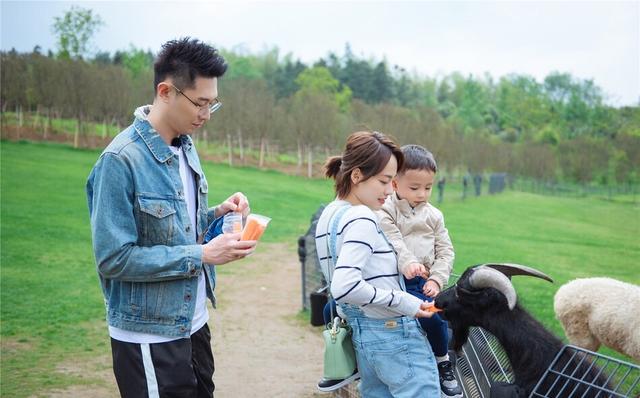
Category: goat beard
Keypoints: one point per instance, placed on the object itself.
(460, 336)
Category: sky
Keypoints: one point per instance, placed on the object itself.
(599, 41)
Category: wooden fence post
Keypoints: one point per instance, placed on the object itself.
(230, 150)
(310, 162)
(76, 135)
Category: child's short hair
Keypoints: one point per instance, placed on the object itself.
(417, 157)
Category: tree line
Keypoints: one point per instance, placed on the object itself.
(558, 129)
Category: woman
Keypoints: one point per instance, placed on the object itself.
(394, 358)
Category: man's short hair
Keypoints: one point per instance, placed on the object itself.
(186, 59)
(417, 157)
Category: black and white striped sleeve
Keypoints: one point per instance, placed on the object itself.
(359, 234)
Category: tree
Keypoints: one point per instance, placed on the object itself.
(584, 158)
(74, 31)
(103, 58)
(137, 61)
(472, 109)
(319, 80)
(241, 65)
(284, 79)
(522, 108)
(14, 80)
(382, 82)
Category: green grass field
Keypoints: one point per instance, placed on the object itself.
(51, 305)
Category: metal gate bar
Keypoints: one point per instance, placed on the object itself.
(583, 373)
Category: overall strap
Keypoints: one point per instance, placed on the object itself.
(332, 255)
(329, 260)
(333, 235)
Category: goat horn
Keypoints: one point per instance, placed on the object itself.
(484, 276)
(517, 269)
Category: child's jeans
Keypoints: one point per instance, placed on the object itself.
(435, 327)
(394, 359)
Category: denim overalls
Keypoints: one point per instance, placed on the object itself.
(393, 355)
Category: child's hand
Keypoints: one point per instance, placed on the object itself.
(413, 270)
(431, 288)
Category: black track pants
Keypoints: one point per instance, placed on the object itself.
(180, 368)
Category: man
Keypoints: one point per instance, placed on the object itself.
(147, 199)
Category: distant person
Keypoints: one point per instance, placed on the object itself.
(148, 204)
(465, 185)
(417, 232)
(477, 182)
(394, 359)
(441, 182)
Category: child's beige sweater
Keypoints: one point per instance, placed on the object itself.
(419, 236)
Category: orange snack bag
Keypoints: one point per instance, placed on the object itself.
(254, 227)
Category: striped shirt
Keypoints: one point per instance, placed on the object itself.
(366, 273)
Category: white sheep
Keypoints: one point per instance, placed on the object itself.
(596, 311)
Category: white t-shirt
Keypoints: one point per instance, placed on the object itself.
(201, 315)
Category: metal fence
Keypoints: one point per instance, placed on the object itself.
(312, 278)
(574, 190)
(576, 372)
(469, 186)
(482, 364)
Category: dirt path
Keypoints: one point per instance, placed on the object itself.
(261, 348)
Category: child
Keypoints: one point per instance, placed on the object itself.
(425, 254)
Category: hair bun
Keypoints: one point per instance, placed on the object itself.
(332, 166)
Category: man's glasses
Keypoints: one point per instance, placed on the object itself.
(212, 107)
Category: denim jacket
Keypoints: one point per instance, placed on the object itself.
(147, 258)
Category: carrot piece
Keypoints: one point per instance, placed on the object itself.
(433, 308)
(255, 227)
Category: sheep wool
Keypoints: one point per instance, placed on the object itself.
(595, 311)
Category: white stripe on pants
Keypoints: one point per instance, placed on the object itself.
(149, 372)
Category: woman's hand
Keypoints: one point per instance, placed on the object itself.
(424, 312)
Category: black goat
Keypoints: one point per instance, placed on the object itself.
(485, 297)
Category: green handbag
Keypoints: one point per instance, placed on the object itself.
(339, 355)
